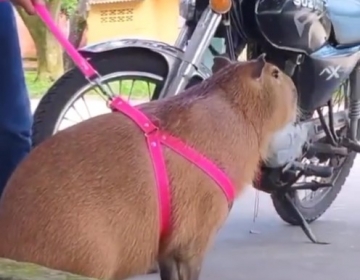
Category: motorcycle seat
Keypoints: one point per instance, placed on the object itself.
(345, 18)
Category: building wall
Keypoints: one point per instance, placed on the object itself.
(167, 19)
(153, 19)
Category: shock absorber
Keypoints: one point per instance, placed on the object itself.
(354, 106)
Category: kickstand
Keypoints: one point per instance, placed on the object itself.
(303, 223)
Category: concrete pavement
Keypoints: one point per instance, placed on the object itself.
(282, 252)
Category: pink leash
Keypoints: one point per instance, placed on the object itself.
(154, 136)
(80, 62)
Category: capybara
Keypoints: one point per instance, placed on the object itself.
(85, 200)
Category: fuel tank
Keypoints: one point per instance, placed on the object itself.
(304, 26)
(294, 25)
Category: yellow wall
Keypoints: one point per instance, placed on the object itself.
(153, 19)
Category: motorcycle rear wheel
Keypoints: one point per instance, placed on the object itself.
(63, 92)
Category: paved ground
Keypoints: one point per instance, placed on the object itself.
(281, 252)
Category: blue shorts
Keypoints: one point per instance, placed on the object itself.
(15, 112)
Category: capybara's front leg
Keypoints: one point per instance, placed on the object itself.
(153, 269)
(168, 269)
(189, 269)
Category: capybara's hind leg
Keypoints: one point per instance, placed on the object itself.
(168, 269)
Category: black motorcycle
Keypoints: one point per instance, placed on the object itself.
(316, 42)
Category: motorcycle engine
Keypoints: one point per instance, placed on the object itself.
(287, 145)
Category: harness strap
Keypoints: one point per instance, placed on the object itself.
(155, 138)
(157, 158)
(162, 181)
(207, 166)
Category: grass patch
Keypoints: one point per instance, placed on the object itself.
(36, 88)
(128, 88)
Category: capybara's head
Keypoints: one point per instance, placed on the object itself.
(264, 93)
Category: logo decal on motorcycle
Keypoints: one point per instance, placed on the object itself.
(318, 5)
(332, 72)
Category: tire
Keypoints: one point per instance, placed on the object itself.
(62, 92)
(313, 213)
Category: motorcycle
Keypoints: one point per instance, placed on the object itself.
(313, 41)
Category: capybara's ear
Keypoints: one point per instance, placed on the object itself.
(219, 63)
(260, 63)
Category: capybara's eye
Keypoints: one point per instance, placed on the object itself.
(275, 73)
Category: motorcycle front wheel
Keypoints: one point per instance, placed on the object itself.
(117, 69)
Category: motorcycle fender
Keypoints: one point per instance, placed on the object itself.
(172, 55)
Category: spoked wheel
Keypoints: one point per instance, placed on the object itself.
(313, 204)
(137, 77)
(135, 87)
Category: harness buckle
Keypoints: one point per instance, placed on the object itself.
(151, 131)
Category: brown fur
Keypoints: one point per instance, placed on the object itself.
(84, 201)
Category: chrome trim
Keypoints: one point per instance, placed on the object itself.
(183, 38)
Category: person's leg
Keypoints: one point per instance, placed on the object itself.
(15, 112)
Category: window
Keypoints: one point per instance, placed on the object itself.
(118, 15)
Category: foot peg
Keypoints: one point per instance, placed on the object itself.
(311, 169)
(352, 145)
(324, 148)
(313, 186)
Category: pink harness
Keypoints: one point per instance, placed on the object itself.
(155, 137)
